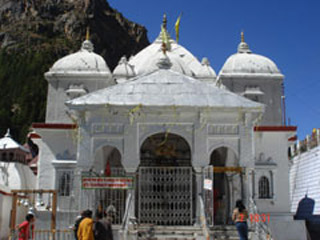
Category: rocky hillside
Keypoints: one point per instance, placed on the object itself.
(35, 33)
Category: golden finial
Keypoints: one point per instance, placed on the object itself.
(164, 21)
(242, 36)
(88, 34)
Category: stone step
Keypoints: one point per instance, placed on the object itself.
(174, 238)
(223, 232)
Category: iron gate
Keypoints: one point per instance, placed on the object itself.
(165, 195)
(108, 200)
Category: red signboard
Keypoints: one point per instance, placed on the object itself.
(107, 183)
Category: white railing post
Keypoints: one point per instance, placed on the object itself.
(203, 219)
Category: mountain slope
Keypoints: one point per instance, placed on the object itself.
(36, 33)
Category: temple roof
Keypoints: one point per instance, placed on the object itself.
(182, 60)
(244, 62)
(164, 87)
(81, 62)
(7, 143)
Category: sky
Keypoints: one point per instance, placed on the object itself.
(286, 31)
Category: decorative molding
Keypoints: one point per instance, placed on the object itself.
(64, 164)
(183, 129)
(226, 129)
(262, 160)
(65, 155)
(54, 125)
(116, 142)
(34, 136)
(107, 128)
(217, 142)
(275, 128)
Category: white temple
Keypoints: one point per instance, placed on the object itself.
(168, 122)
(15, 174)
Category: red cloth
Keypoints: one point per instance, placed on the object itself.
(107, 171)
(24, 230)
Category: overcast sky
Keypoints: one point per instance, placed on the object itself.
(286, 31)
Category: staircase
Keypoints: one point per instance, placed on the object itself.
(176, 232)
(224, 232)
(132, 230)
(188, 233)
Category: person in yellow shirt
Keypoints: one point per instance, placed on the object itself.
(85, 231)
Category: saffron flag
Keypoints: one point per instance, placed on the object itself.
(177, 27)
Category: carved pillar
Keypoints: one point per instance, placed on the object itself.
(271, 184)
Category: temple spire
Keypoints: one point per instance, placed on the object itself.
(87, 44)
(88, 34)
(165, 38)
(243, 47)
(8, 133)
(164, 21)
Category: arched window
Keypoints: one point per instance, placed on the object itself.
(264, 188)
(65, 183)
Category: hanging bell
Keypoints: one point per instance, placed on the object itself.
(49, 202)
(31, 210)
(40, 202)
(26, 203)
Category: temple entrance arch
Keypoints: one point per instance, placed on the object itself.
(226, 183)
(107, 163)
(166, 183)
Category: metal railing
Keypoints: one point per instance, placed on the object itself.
(203, 219)
(64, 234)
(45, 234)
(128, 214)
(260, 228)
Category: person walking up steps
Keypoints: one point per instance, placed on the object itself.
(240, 216)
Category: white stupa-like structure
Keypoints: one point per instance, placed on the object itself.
(15, 174)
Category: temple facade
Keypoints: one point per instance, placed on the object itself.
(181, 135)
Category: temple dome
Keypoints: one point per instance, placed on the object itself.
(123, 71)
(82, 62)
(244, 62)
(182, 60)
(206, 72)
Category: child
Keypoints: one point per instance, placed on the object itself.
(26, 228)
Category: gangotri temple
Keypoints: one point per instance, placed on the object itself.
(165, 140)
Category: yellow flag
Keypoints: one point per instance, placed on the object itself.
(165, 38)
(177, 26)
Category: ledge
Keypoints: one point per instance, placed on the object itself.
(275, 128)
(54, 125)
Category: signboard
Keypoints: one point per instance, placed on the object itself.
(107, 182)
(207, 184)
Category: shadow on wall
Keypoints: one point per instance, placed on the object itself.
(305, 212)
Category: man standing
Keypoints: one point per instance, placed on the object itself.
(85, 231)
(77, 223)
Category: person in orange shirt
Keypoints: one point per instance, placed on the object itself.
(240, 216)
(85, 231)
